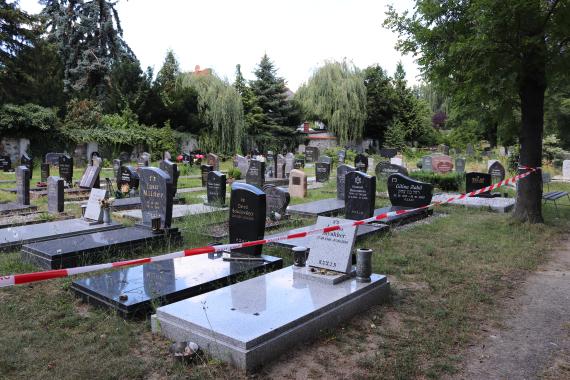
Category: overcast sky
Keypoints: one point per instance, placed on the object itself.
(298, 35)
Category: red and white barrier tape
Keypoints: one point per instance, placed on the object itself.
(18, 279)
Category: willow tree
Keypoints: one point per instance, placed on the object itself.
(336, 95)
(220, 107)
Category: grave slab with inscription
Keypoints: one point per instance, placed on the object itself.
(255, 173)
(247, 218)
(216, 189)
(359, 195)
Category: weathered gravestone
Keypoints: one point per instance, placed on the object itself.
(297, 183)
(247, 217)
(204, 170)
(442, 164)
(93, 211)
(44, 172)
(333, 250)
(156, 197)
(5, 163)
(65, 163)
(388, 152)
(23, 175)
(289, 163)
(55, 194)
(90, 178)
(311, 154)
(566, 169)
(28, 161)
(242, 164)
(128, 179)
(172, 170)
(143, 160)
(408, 193)
(216, 188)
(475, 181)
(277, 201)
(322, 171)
(360, 195)
(427, 164)
(256, 173)
(497, 171)
(213, 160)
(341, 156)
(341, 172)
(460, 165)
(386, 169)
(117, 167)
(280, 166)
(361, 162)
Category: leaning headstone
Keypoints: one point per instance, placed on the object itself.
(289, 163)
(256, 173)
(247, 217)
(475, 181)
(44, 172)
(66, 168)
(566, 169)
(90, 176)
(23, 176)
(332, 251)
(28, 162)
(497, 171)
(216, 188)
(469, 151)
(360, 195)
(280, 166)
(341, 156)
(311, 154)
(55, 194)
(277, 201)
(5, 163)
(460, 165)
(361, 162)
(442, 164)
(213, 160)
(297, 184)
(156, 196)
(427, 164)
(341, 172)
(117, 167)
(388, 152)
(172, 170)
(406, 192)
(204, 170)
(322, 171)
(386, 169)
(128, 179)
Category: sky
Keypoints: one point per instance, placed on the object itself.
(297, 35)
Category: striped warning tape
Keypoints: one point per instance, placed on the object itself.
(25, 278)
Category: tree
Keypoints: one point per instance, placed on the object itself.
(253, 113)
(165, 82)
(336, 95)
(380, 102)
(89, 39)
(483, 48)
(16, 32)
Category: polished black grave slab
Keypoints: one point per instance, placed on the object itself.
(138, 290)
(90, 248)
(324, 207)
(13, 237)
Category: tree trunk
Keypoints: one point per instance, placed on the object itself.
(532, 85)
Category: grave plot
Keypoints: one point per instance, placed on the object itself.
(155, 229)
(322, 207)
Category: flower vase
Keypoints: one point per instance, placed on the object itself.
(107, 215)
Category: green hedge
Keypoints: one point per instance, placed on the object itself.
(445, 182)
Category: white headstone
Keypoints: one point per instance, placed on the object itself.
(566, 169)
(396, 161)
(93, 210)
(490, 162)
(332, 250)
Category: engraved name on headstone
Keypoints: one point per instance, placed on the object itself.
(360, 195)
(256, 173)
(333, 250)
(386, 169)
(406, 192)
(247, 217)
(65, 164)
(216, 188)
(297, 184)
(322, 171)
(156, 196)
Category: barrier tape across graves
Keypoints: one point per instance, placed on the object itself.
(18, 279)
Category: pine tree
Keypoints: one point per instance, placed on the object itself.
(15, 31)
(253, 113)
(165, 82)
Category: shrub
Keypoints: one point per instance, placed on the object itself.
(234, 173)
(445, 182)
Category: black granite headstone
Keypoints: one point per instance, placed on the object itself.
(55, 194)
(23, 185)
(156, 196)
(341, 172)
(299, 163)
(5, 163)
(388, 152)
(497, 171)
(204, 170)
(94, 155)
(65, 163)
(172, 170)
(247, 217)
(277, 201)
(312, 154)
(117, 167)
(475, 181)
(406, 192)
(216, 188)
(360, 195)
(361, 162)
(44, 172)
(52, 158)
(386, 169)
(28, 162)
(322, 171)
(256, 173)
(128, 177)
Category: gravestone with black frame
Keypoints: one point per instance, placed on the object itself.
(359, 195)
(497, 171)
(128, 177)
(247, 218)
(156, 197)
(65, 164)
(311, 154)
(322, 171)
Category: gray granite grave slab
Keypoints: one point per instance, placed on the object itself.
(136, 291)
(497, 204)
(93, 247)
(12, 238)
(15, 208)
(325, 207)
(178, 211)
(322, 275)
(252, 322)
